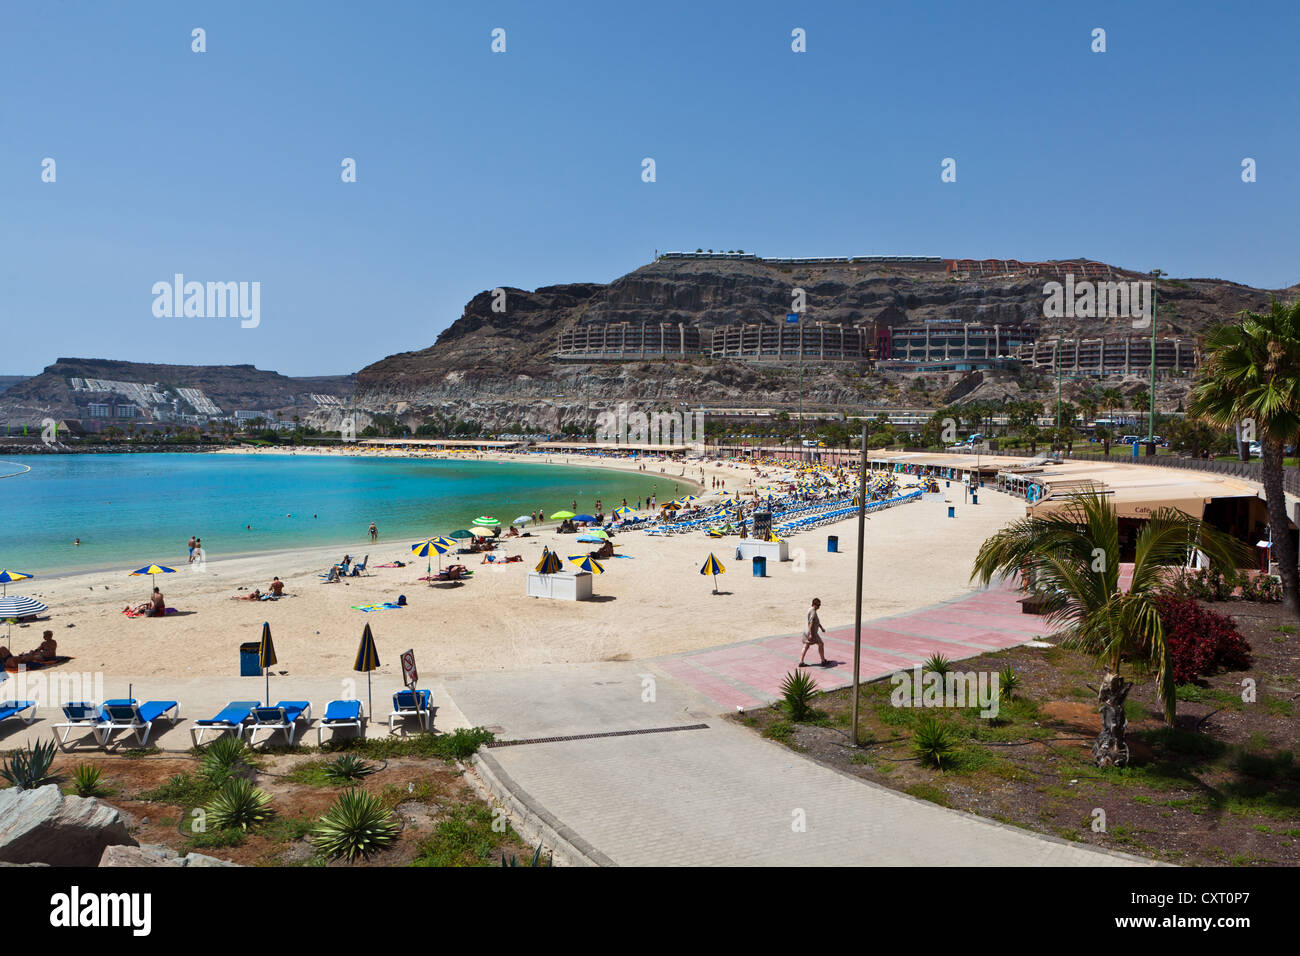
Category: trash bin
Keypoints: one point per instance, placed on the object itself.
(833, 543)
(248, 660)
(760, 566)
(952, 511)
(974, 498)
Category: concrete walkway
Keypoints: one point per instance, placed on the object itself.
(717, 795)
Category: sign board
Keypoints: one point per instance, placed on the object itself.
(409, 673)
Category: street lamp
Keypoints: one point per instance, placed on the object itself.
(1151, 416)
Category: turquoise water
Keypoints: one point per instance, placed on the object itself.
(130, 510)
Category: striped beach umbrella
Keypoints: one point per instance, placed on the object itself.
(714, 567)
(153, 570)
(487, 521)
(266, 658)
(367, 660)
(19, 606)
(431, 546)
(8, 577)
(624, 511)
(586, 562)
(550, 562)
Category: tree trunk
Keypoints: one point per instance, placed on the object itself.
(1110, 749)
(1283, 550)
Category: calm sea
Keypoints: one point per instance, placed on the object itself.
(131, 510)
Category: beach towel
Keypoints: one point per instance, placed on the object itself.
(13, 665)
(376, 607)
(130, 613)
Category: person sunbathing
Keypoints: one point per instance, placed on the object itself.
(255, 596)
(47, 651)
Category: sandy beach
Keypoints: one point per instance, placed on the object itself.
(651, 601)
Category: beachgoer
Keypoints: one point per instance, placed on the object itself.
(77, 542)
(157, 606)
(374, 532)
(810, 634)
(276, 587)
(193, 545)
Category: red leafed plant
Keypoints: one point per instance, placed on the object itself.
(1200, 641)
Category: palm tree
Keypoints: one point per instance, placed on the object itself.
(1251, 376)
(1070, 559)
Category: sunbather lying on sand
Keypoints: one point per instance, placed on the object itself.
(47, 650)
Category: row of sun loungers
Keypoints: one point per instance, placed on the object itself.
(101, 721)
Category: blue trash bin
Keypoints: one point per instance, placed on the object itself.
(833, 543)
(249, 666)
(974, 498)
(952, 511)
(760, 566)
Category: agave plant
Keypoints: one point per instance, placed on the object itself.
(85, 780)
(356, 824)
(1008, 681)
(221, 759)
(937, 664)
(535, 861)
(933, 742)
(30, 769)
(347, 768)
(797, 692)
(239, 804)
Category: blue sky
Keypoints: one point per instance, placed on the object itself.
(478, 170)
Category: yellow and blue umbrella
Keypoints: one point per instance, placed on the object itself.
(624, 511)
(266, 657)
(430, 547)
(367, 660)
(550, 562)
(586, 562)
(714, 567)
(153, 570)
(8, 577)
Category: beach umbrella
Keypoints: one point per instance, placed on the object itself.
(478, 532)
(561, 515)
(624, 512)
(153, 570)
(461, 533)
(595, 533)
(266, 657)
(7, 577)
(586, 518)
(487, 521)
(13, 608)
(367, 660)
(586, 562)
(522, 519)
(426, 549)
(550, 562)
(714, 567)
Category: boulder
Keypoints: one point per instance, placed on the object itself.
(149, 854)
(44, 826)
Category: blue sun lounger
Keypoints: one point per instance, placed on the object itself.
(416, 704)
(15, 708)
(341, 713)
(283, 716)
(81, 714)
(232, 717)
(137, 718)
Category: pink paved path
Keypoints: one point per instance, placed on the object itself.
(750, 674)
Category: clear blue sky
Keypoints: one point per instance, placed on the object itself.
(477, 169)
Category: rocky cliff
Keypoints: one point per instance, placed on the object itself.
(496, 367)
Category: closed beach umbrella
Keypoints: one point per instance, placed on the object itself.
(8, 577)
(487, 521)
(266, 657)
(561, 515)
(714, 567)
(153, 570)
(586, 562)
(550, 562)
(367, 660)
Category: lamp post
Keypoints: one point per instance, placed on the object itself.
(1151, 416)
(857, 605)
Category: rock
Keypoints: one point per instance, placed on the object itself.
(150, 854)
(44, 826)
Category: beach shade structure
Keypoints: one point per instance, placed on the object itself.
(561, 515)
(596, 533)
(586, 562)
(460, 533)
(487, 521)
(266, 655)
(367, 660)
(523, 519)
(624, 512)
(17, 607)
(587, 518)
(153, 570)
(480, 532)
(714, 567)
(426, 549)
(550, 562)
(8, 577)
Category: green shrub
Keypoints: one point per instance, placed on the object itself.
(347, 768)
(86, 780)
(239, 804)
(221, 760)
(937, 664)
(535, 861)
(797, 692)
(1008, 681)
(30, 768)
(356, 824)
(933, 742)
